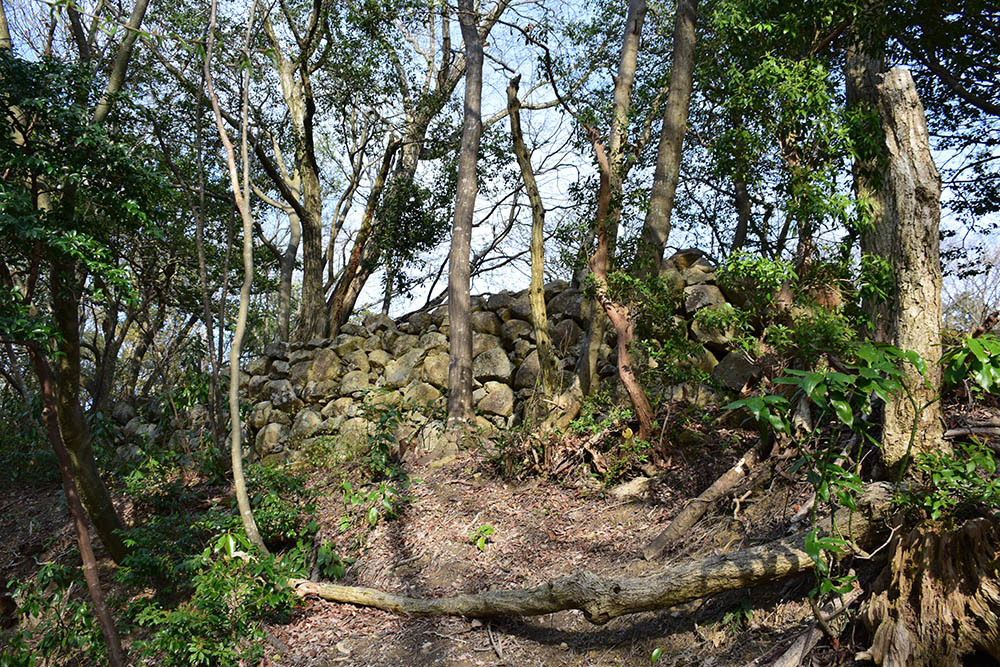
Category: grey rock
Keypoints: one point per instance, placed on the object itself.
(439, 316)
(482, 342)
(672, 278)
(734, 371)
(528, 371)
(566, 334)
(270, 439)
(344, 344)
(276, 350)
(500, 301)
(555, 287)
(259, 366)
(697, 297)
(567, 303)
(514, 329)
(282, 395)
(132, 426)
(492, 365)
(499, 400)
(715, 338)
(355, 432)
(636, 488)
(403, 344)
(697, 275)
(683, 259)
(378, 358)
(301, 373)
(419, 322)
(340, 407)
(315, 343)
(485, 322)
(306, 423)
(326, 365)
(123, 412)
(521, 308)
(323, 390)
(379, 322)
(260, 415)
(280, 369)
(300, 355)
(433, 340)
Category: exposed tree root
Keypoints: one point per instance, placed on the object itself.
(939, 597)
(697, 507)
(602, 599)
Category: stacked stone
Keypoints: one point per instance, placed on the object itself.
(314, 389)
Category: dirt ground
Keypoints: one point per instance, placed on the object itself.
(543, 530)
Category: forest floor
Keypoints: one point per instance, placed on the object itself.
(542, 529)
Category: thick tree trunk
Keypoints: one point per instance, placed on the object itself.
(602, 599)
(74, 428)
(536, 290)
(49, 395)
(656, 227)
(460, 332)
(905, 201)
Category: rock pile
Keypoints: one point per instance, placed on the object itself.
(306, 391)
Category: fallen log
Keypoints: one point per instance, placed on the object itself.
(697, 507)
(602, 599)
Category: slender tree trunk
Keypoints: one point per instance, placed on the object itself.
(606, 224)
(460, 332)
(285, 281)
(536, 291)
(49, 394)
(905, 202)
(242, 202)
(656, 227)
(741, 199)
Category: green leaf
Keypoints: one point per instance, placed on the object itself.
(843, 410)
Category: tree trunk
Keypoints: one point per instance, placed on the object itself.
(74, 428)
(49, 394)
(242, 202)
(656, 227)
(536, 290)
(602, 599)
(460, 331)
(285, 281)
(905, 201)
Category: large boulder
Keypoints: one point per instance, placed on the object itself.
(123, 412)
(283, 397)
(521, 308)
(280, 368)
(344, 344)
(528, 371)
(306, 423)
(485, 322)
(500, 301)
(300, 355)
(261, 366)
(354, 382)
(433, 340)
(326, 364)
(270, 439)
(401, 371)
(734, 371)
(379, 322)
(566, 304)
(697, 297)
(436, 369)
(492, 365)
(566, 333)
(499, 400)
(404, 344)
(514, 329)
(379, 358)
(421, 394)
(276, 350)
(257, 386)
(482, 342)
(358, 360)
(260, 415)
(419, 322)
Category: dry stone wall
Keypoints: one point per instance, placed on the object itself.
(305, 392)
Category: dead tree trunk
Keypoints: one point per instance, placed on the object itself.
(905, 200)
(459, 310)
(602, 599)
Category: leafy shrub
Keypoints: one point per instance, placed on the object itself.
(755, 278)
(57, 625)
(976, 359)
(961, 483)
